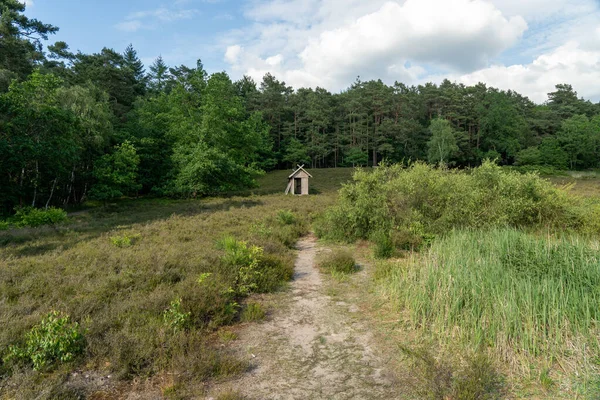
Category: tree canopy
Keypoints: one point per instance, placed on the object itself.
(76, 125)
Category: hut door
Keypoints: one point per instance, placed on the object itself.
(298, 186)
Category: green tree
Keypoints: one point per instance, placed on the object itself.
(296, 153)
(159, 75)
(442, 145)
(132, 62)
(20, 42)
(38, 143)
(116, 173)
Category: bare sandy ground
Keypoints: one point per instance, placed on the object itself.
(311, 346)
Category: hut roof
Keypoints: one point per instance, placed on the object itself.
(300, 168)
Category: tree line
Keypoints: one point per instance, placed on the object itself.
(76, 126)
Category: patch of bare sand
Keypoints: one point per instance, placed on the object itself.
(311, 347)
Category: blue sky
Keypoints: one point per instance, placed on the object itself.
(181, 31)
(525, 45)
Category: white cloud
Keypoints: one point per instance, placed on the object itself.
(376, 44)
(28, 3)
(150, 18)
(528, 46)
(129, 26)
(232, 54)
(569, 63)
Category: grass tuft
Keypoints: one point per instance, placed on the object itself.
(253, 312)
(339, 261)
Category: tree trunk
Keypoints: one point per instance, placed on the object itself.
(51, 192)
(35, 186)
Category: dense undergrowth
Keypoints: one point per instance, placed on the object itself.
(34, 217)
(149, 285)
(491, 265)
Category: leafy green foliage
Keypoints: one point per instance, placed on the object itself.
(33, 217)
(125, 240)
(286, 217)
(442, 145)
(245, 261)
(116, 173)
(384, 244)
(421, 201)
(175, 317)
(54, 339)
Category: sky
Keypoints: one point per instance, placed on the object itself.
(524, 45)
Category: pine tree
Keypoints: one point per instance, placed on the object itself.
(136, 67)
(159, 74)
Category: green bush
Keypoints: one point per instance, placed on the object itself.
(423, 201)
(4, 225)
(286, 217)
(339, 261)
(175, 317)
(54, 339)
(384, 245)
(33, 217)
(244, 261)
(125, 240)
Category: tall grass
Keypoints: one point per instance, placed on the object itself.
(504, 289)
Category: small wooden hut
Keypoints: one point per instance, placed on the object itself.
(298, 182)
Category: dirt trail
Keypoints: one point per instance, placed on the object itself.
(311, 347)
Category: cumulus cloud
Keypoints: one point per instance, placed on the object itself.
(569, 63)
(381, 42)
(524, 45)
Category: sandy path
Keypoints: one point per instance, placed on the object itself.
(311, 347)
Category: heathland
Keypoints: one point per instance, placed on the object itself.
(491, 277)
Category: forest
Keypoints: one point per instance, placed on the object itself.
(77, 126)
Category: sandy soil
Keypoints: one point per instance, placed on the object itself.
(312, 346)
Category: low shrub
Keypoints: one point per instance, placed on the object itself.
(4, 225)
(446, 378)
(423, 201)
(384, 245)
(339, 261)
(253, 312)
(54, 339)
(274, 271)
(286, 217)
(244, 261)
(175, 317)
(125, 240)
(33, 217)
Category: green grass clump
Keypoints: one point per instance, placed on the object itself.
(505, 289)
(253, 312)
(339, 261)
(384, 245)
(446, 378)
